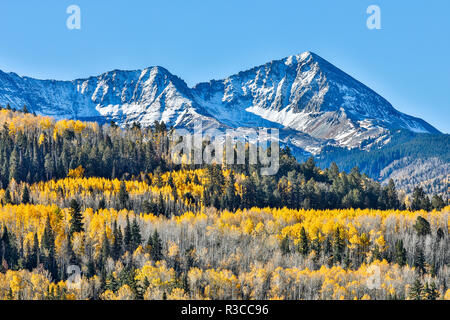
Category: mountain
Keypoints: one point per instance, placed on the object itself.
(303, 93)
(409, 158)
(124, 96)
(314, 104)
(307, 94)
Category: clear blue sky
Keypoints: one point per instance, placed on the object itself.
(407, 62)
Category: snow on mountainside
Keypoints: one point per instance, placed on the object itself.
(312, 101)
(308, 94)
(123, 96)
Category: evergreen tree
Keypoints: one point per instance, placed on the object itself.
(106, 248)
(136, 234)
(7, 197)
(284, 246)
(25, 195)
(248, 193)
(338, 246)
(389, 197)
(117, 242)
(440, 234)
(303, 245)
(231, 198)
(160, 206)
(419, 261)
(155, 244)
(123, 196)
(33, 257)
(420, 200)
(76, 224)
(15, 167)
(148, 206)
(48, 240)
(128, 236)
(10, 254)
(430, 292)
(101, 204)
(400, 253)
(48, 250)
(422, 226)
(70, 254)
(25, 109)
(416, 290)
(437, 202)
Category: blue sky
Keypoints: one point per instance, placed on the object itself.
(407, 61)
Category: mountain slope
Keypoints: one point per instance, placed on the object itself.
(123, 96)
(316, 103)
(308, 94)
(409, 158)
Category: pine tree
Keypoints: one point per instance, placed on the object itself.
(389, 197)
(400, 253)
(70, 254)
(25, 195)
(136, 234)
(101, 204)
(15, 167)
(185, 283)
(123, 196)
(338, 246)
(170, 182)
(9, 250)
(160, 206)
(440, 234)
(48, 250)
(419, 261)
(248, 193)
(231, 199)
(420, 200)
(422, 226)
(284, 246)
(117, 242)
(106, 248)
(430, 292)
(303, 245)
(76, 224)
(416, 290)
(33, 258)
(128, 236)
(316, 245)
(148, 206)
(48, 240)
(7, 197)
(437, 202)
(155, 244)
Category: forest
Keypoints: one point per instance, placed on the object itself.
(93, 211)
(414, 148)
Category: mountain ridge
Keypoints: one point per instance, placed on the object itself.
(315, 102)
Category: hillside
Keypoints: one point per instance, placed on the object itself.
(410, 159)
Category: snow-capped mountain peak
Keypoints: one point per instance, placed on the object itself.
(312, 100)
